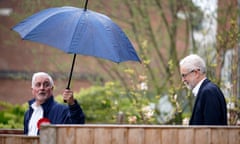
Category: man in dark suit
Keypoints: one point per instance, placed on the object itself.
(210, 105)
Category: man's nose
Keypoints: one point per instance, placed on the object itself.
(42, 86)
(183, 79)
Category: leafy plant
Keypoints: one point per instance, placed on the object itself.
(11, 116)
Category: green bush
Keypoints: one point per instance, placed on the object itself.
(102, 104)
(11, 116)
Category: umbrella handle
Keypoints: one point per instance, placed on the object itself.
(70, 75)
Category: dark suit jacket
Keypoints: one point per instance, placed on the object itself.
(210, 106)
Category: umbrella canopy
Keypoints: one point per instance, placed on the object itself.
(78, 31)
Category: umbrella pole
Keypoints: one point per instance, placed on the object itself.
(70, 75)
(85, 6)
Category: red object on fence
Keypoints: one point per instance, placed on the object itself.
(42, 121)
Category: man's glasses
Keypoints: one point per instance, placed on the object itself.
(44, 85)
(186, 74)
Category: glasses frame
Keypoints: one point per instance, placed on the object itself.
(186, 74)
(45, 84)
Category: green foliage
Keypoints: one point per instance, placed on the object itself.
(103, 104)
(11, 116)
(100, 103)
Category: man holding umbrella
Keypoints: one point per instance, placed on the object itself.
(43, 108)
(85, 32)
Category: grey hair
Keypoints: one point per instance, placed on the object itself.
(192, 62)
(35, 75)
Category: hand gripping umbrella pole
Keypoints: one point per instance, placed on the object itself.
(73, 61)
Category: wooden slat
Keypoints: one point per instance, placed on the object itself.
(135, 136)
(234, 136)
(84, 136)
(66, 135)
(152, 136)
(186, 136)
(11, 131)
(219, 136)
(18, 139)
(169, 136)
(102, 136)
(48, 135)
(119, 136)
(202, 136)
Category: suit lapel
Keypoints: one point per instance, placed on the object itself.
(198, 97)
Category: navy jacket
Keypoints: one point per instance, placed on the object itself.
(210, 106)
(57, 113)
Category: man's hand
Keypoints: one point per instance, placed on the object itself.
(68, 97)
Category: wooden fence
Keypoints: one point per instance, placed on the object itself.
(18, 139)
(139, 134)
(11, 131)
(127, 134)
(15, 136)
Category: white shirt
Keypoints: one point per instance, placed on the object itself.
(197, 87)
(36, 115)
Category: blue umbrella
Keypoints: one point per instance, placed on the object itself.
(78, 31)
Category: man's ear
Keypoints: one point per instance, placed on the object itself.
(32, 90)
